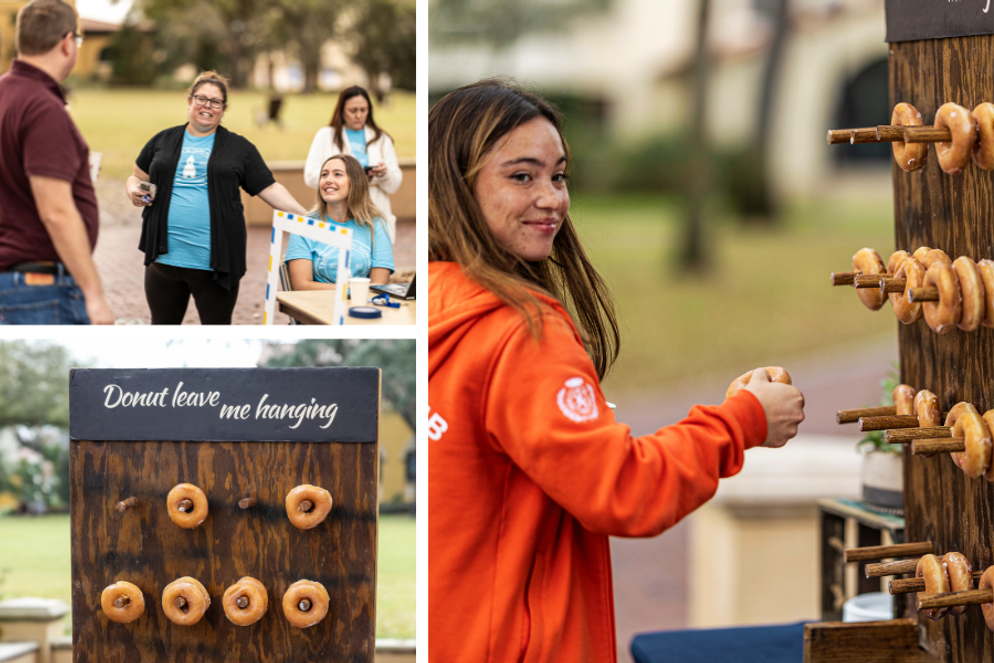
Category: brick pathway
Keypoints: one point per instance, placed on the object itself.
(119, 262)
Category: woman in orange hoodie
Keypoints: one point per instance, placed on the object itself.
(528, 471)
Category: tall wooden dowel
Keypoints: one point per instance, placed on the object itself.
(898, 567)
(864, 281)
(887, 423)
(953, 599)
(890, 133)
(926, 135)
(935, 445)
(849, 136)
(888, 284)
(873, 553)
(842, 278)
(923, 295)
(906, 435)
(852, 416)
(909, 585)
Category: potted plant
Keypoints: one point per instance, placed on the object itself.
(883, 463)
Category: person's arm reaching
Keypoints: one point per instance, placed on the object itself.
(276, 196)
(783, 405)
(65, 227)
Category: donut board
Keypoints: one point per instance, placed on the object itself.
(320, 231)
(244, 437)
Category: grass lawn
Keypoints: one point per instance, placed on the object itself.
(766, 299)
(118, 122)
(35, 561)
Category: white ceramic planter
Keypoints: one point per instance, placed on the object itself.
(883, 479)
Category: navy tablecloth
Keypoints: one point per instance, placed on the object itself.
(746, 644)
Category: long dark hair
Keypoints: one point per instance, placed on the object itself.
(462, 129)
(338, 116)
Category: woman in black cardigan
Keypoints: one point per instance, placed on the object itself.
(193, 234)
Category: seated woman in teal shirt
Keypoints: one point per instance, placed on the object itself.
(343, 199)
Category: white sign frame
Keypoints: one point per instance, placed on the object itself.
(320, 231)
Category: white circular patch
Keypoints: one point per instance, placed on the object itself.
(577, 400)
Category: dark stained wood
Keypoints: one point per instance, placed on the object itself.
(886, 423)
(874, 553)
(905, 585)
(891, 568)
(955, 214)
(141, 545)
(893, 641)
(852, 416)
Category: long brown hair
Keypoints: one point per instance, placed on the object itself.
(338, 116)
(361, 207)
(462, 129)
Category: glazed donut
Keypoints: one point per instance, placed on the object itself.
(988, 418)
(904, 399)
(246, 589)
(932, 256)
(931, 570)
(895, 260)
(944, 314)
(909, 156)
(194, 515)
(983, 149)
(317, 603)
(914, 274)
(986, 268)
(867, 261)
(195, 602)
(960, 573)
(971, 290)
(976, 460)
(320, 500)
(954, 156)
(776, 373)
(927, 409)
(958, 411)
(987, 582)
(122, 602)
(921, 252)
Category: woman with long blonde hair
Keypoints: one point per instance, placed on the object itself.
(343, 199)
(528, 471)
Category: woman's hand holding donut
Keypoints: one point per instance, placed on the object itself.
(783, 405)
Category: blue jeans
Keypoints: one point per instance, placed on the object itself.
(61, 303)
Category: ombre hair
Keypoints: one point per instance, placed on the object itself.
(361, 207)
(338, 115)
(463, 128)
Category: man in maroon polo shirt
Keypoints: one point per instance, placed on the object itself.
(48, 209)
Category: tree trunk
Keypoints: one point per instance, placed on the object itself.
(693, 256)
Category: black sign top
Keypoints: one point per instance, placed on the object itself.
(225, 404)
(910, 20)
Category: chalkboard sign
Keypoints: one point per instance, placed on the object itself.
(225, 405)
(911, 20)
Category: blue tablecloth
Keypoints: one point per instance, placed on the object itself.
(747, 644)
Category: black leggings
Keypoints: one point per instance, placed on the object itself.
(168, 290)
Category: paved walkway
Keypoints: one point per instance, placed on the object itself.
(650, 575)
(119, 262)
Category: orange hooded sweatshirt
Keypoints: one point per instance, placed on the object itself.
(529, 473)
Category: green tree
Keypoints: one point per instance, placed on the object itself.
(310, 23)
(34, 384)
(384, 42)
(394, 357)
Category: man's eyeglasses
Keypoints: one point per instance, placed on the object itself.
(79, 40)
(216, 104)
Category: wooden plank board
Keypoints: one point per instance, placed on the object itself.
(891, 641)
(144, 547)
(955, 214)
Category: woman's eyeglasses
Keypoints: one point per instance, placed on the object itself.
(201, 100)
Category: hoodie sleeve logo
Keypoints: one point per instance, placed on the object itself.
(577, 400)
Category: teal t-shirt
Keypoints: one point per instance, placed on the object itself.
(365, 255)
(189, 209)
(357, 143)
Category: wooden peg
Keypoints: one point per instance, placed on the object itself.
(872, 553)
(926, 135)
(891, 568)
(184, 505)
(909, 585)
(304, 605)
(906, 435)
(866, 281)
(953, 599)
(888, 284)
(934, 445)
(242, 602)
(180, 602)
(889, 422)
(306, 506)
(890, 133)
(248, 499)
(126, 504)
(852, 416)
(923, 295)
(842, 278)
(840, 136)
(122, 601)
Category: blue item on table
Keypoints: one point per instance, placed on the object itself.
(384, 300)
(367, 312)
(747, 644)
